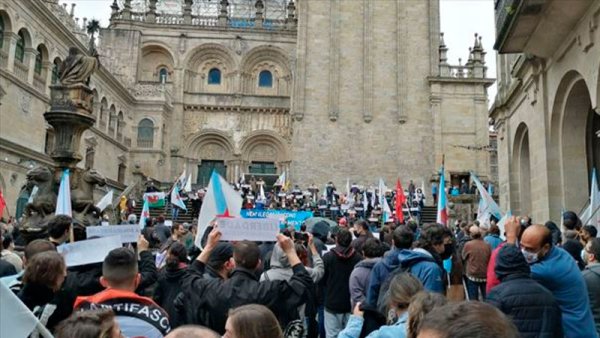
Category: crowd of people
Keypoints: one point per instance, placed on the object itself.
(403, 280)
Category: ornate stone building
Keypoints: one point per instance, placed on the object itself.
(546, 111)
(323, 90)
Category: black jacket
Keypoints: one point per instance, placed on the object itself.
(243, 287)
(532, 308)
(48, 306)
(167, 289)
(339, 263)
(7, 269)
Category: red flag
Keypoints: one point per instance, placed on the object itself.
(2, 204)
(400, 200)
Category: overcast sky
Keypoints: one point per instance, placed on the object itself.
(460, 20)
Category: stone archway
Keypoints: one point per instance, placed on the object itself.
(521, 173)
(208, 151)
(575, 149)
(264, 152)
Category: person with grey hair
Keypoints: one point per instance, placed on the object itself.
(132, 219)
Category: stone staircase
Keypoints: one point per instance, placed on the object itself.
(428, 214)
(155, 212)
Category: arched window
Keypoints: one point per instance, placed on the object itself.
(55, 66)
(214, 76)
(145, 134)
(20, 49)
(38, 61)
(1, 32)
(265, 79)
(163, 75)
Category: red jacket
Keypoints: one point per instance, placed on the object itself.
(492, 279)
(137, 316)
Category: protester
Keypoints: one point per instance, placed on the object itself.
(591, 275)
(420, 305)
(282, 270)
(42, 282)
(7, 269)
(572, 245)
(169, 280)
(466, 319)
(493, 237)
(218, 297)
(137, 315)
(372, 251)
(362, 233)
(339, 263)
(252, 321)
(587, 233)
(59, 227)
(161, 231)
(402, 239)
(555, 269)
(220, 262)
(100, 323)
(531, 306)
(476, 255)
(402, 288)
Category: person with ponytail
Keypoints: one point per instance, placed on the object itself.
(168, 285)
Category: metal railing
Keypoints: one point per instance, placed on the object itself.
(143, 143)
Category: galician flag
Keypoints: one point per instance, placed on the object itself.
(381, 190)
(487, 205)
(145, 214)
(220, 200)
(502, 223)
(281, 180)
(105, 201)
(387, 212)
(16, 320)
(155, 199)
(63, 203)
(176, 199)
(442, 207)
(588, 217)
(188, 184)
(400, 200)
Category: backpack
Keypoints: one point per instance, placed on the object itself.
(382, 300)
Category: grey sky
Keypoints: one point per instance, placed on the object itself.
(460, 20)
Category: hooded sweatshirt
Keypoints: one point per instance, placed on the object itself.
(423, 266)
(282, 270)
(339, 263)
(359, 279)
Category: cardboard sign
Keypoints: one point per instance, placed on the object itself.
(251, 229)
(169, 223)
(129, 233)
(89, 251)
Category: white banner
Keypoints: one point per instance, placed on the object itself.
(129, 233)
(88, 251)
(251, 229)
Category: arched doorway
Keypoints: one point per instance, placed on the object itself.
(575, 148)
(264, 154)
(211, 151)
(521, 173)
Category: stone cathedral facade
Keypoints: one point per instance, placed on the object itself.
(321, 90)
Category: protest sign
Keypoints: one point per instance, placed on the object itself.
(292, 218)
(251, 229)
(89, 251)
(168, 223)
(129, 233)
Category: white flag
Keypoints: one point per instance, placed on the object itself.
(176, 199)
(588, 217)
(188, 184)
(262, 193)
(106, 200)
(63, 203)
(16, 321)
(34, 192)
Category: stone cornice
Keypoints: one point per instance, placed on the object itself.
(461, 80)
(25, 86)
(16, 148)
(264, 110)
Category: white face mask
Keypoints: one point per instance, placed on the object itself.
(530, 257)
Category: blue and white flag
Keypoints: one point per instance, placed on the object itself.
(145, 214)
(63, 203)
(588, 217)
(176, 199)
(220, 200)
(16, 320)
(502, 222)
(487, 206)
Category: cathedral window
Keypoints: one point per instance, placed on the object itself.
(214, 76)
(38, 61)
(145, 135)
(163, 75)
(1, 32)
(20, 48)
(265, 79)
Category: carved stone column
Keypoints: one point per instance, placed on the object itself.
(47, 68)
(30, 55)
(223, 15)
(187, 12)
(151, 15)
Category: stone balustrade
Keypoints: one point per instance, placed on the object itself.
(21, 71)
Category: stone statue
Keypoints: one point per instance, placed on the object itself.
(78, 67)
(43, 205)
(85, 212)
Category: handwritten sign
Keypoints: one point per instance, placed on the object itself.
(129, 233)
(89, 251)
(251, 229)
(285, 217)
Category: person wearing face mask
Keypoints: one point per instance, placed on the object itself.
(556, 270)
(591, 275)
(362, 233)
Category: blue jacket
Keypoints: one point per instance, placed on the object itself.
(379, 274)
(423, 266)
(493, 241)
(354, 327)
(558, 272)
